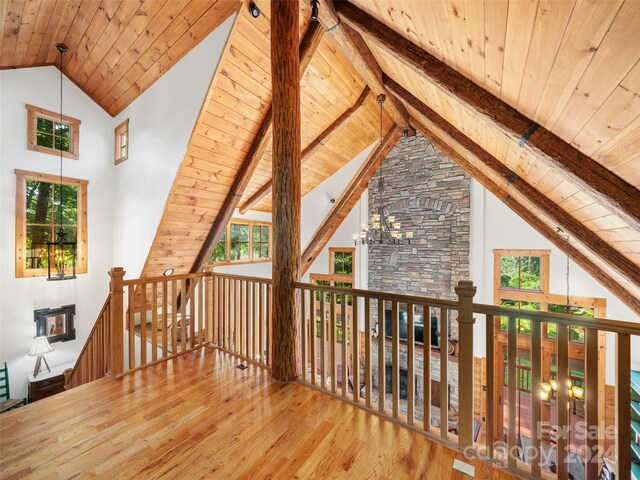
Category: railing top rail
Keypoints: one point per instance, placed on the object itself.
(414, 299)
(186, 276)
(615, 326)
(241, 277)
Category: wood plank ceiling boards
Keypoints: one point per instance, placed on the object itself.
(117, 48)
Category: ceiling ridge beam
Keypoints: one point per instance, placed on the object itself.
(521, 210)
(349, 197)
(354, 48)
(586, 237)
(602, 184)
(313, 147)
(308, 47)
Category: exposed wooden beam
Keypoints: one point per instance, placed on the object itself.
(286, 171)
(452, 149)
(313, 147)
(357, 52)
(307, 48)
(349, 198)
(602, 184)
(576, 229)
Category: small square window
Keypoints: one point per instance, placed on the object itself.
(121, 148)
(48, 133)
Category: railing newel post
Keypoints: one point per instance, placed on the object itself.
(465, 291)
(116, 320)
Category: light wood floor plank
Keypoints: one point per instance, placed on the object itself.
(197, 416)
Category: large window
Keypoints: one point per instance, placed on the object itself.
(243, 241)
(38, 217)
(47, 133)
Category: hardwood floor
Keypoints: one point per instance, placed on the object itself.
(197, 416)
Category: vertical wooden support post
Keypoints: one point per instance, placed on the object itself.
(285, 72)
(466, 292)
(623, 408)
(117, 330)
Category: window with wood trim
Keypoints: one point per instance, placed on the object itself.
(521, 280)
(121, 146)
(342, 268)
(48, 133)
(243, 241)
(38, 216)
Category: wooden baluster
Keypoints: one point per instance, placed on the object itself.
(332, 341)
(261, 319)
(323, 343)
(201, 310)
(270, 325)
(426, 368)
(466, 292)
(132, 327)
(355, 348)
(226, 318)
(623, 405)
(490, 394)
(444, 373)
(343, 321)
(143, 324)
(303, 332)
(512, 387)
(411, 382)
(382, 361)
(236, 316)
(247, 318)
(254, 331)
(154, 322)
(395, 359)
(536, 382)
(563, 399)
(165, 318)
(591, 401)
(215, 310)
(209, 308)
(368, 383)
(116, 310)
(313, 306)
(174, 317)
(243, 317)
(183, 315)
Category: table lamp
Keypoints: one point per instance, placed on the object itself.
(39, 347)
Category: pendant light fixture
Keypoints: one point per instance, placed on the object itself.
(383, 228)
(61, 254)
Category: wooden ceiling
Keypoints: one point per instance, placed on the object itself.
(117, 48)
(572, 67)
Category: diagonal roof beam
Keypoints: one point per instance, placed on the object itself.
(357, 52)
(349, 198)
(603, 185)
(313, 147)
(521, 210)
(596, 245)
(308, 46)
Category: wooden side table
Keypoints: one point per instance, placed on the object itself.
(47, 383)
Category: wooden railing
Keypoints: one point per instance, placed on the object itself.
(242, 316)
(352, 355)
(94, 360)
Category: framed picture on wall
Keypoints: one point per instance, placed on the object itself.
(57, 324)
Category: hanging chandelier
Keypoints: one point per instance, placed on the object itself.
(61, 254)
(383, 227)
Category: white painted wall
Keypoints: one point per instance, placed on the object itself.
(495, 226)
(160, 125)
(19, 297)
(316, 206)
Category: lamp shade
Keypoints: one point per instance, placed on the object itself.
(40, 346)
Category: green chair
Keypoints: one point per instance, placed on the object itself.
(7, 403)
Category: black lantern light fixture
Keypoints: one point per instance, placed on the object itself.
(61, 254)
(384, 227)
